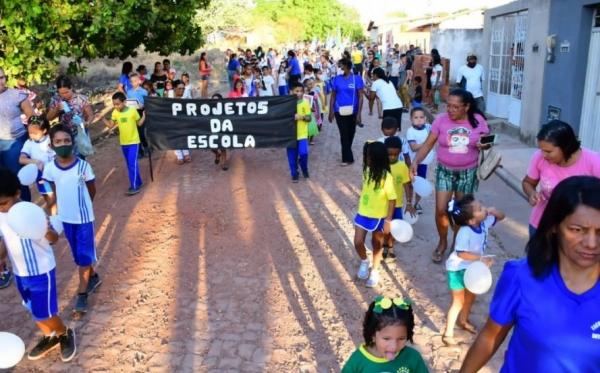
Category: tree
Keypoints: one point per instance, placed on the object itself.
(314, 18)
(35, 34)
(224, 15)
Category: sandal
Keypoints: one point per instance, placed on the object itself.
(437, 256)
(187, 158)
(468, 327)
(449, 341)
(180, 162)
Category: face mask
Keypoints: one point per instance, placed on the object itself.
(64, 151)
(471, 64)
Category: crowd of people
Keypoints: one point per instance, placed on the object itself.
(562, 268)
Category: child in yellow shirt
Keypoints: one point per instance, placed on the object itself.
(128, 119)
(300, 152)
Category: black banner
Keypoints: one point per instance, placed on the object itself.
(257, 122)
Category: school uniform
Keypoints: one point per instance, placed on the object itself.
(300, 152)
(40, 151)
(34, 268)
(130, 143)
(418, 135)
(399, 172)
(373, 203)
(75, 208)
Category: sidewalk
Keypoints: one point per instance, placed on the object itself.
(515, 160)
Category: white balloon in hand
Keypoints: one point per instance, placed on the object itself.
(401, 230)
(12, 350)
(478, 278)
(28, 174)
(410, 219)
(422, 186)
(28, 220)
(56, 224)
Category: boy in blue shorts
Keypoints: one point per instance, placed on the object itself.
(34, 268)
(72, 180)
(302, 117)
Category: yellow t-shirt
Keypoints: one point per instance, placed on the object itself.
(374, 201)
(357, 57)
(127, 122)
(400, 175)
(302, 108)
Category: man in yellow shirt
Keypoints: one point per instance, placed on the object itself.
(357, 60)
(302, 118)
(128, 119)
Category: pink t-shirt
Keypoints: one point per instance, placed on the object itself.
(457, 141)
(549, 175)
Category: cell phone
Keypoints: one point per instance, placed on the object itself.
(488, 139)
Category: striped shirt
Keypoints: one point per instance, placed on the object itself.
(72, 197)
(28, 257)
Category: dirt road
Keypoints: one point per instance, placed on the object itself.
(243, 271)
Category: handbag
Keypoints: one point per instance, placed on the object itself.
(489, 160)
(348, 110)
(313, 128)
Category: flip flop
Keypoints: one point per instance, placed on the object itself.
(468, 327)
(436, 256)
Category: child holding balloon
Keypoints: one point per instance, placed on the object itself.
(470, 244)
(72, 180)
(34, 267)
(37, 151)
(403, 187)
(375, 209)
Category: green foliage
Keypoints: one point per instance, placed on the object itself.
(294, 20)
(34, 34)
(224, 15)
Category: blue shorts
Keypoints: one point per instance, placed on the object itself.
(44, 187)
(82, 242)
(369, 224)
(422, 171)
(397, 213)
(39, 294)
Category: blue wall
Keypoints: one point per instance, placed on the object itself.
(564, 80)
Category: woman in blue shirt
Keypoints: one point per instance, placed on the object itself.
(233, 69)
(551, 300)
(124, 82)
(294, 71)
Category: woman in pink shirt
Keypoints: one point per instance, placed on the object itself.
(457, 134)
(560, 156)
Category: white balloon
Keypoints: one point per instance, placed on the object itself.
(28, 220)
(12, 350)
(478, 278)
(410, 219)
(422, 186)
(28, 174)
(56, 224)
(401, 230)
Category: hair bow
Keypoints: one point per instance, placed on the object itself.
(452, 208)
(385, 303)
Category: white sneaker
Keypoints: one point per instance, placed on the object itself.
(373, 279)
(363, 270)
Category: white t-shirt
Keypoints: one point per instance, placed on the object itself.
(187, 92)
(267, 90)
(39, 150)
(395, 68)
(405, 147)
(282, 82)
(474, 77)
(387, 94)
(471, 240)
(72, 197)
(28, 257)
(437, 69)
(418, 136)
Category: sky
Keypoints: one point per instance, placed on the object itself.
(376, 10)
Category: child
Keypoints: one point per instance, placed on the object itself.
(169, 89)
(418, 95)
(375, 209)
(138, 94)
(128, 119)
(315, 103)
(34, 266)
(402, 186)
(73, 184)
(416, 136)
(149, 87)
(282, 81)
(142, 71)
(470, 244)
(300, 152)
(221, 153)
(267, 83)
(37, 151)
(389, 127)
(388, 325)
(320, 89)
(189, 89)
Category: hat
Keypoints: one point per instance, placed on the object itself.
(471, 54)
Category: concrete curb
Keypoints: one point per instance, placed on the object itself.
(511, 180)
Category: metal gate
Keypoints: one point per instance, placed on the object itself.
(507, 62)
(590, 111)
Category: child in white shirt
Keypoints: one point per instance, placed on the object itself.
(416, 136)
